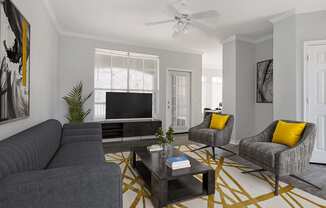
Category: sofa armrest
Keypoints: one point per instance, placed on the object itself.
(82, 132)
(79, 186)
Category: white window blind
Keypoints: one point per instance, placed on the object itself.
(119, 71)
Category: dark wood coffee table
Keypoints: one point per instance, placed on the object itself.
(169, 186)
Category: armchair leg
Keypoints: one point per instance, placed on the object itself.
(204, 147)
(233, 153)
(253, 171)
(277, 181)
(213, 150)
(305, 181)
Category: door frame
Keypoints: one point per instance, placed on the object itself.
(167, 93)
(305, 97)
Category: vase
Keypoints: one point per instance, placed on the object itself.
(166, 150)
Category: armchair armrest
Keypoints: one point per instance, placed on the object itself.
(296, 159)
(81, 132)
(69, 187)
(202, 125)
(264, 136)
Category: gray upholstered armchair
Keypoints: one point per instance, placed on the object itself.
(212, 137)
(278, 158)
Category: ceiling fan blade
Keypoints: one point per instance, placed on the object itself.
(202, 27)
(159, 22)
(205, 14)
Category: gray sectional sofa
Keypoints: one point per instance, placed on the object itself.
(58, 167)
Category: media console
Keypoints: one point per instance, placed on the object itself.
(126, 130)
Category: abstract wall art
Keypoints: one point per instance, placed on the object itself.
(14, 63)
(264, 81)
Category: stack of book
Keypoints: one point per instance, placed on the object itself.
(178, 162)
(154, 148)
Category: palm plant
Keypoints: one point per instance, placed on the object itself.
(166, 138)
(169, 135)
(160, 136)
(76, 101)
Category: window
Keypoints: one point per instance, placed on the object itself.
(118, 71)
(216, 91)
(212, 87)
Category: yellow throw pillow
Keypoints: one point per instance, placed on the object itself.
(288, 133)
(218, 121)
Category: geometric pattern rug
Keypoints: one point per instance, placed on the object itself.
(233, 189)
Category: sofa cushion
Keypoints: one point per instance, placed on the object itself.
(31, 149)
(75, 154)
(83, 132)
(262, 153)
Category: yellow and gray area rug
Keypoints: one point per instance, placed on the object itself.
(233, 189)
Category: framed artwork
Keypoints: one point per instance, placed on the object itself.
(264, 82)
(15, 63)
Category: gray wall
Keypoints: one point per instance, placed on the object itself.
(76, 62)
(289, 36)
(229, 83)
(245, 80)
(284, 75)
(238, 86)
(263, 111)
(43, 74)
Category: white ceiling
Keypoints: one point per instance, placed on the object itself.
(123, 20)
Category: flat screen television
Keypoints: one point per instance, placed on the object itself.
(121, 105)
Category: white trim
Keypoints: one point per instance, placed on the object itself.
(245, 39)
(179, 70)
(305, 91)
(265, 38)
(314, 42)
(283, 16)
(52, 16)
(229, 39)
(129, 43)
(240, 38)
(305, 97)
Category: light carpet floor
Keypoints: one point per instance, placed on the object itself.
(233, 189)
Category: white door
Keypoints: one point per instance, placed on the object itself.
(178, 100)
(315, 88)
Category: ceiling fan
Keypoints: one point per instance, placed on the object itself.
(185, 20)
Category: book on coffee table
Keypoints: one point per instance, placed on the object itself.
(154, 148)
(178, 162)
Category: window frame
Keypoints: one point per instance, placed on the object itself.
(129, 55)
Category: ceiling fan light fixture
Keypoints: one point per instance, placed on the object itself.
(186, 29)
(185, 20)
(178, 27)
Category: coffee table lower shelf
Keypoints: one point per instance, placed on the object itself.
(165, 192)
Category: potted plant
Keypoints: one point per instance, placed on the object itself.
(75, 102)
(165, 140)
(169, 135)
(160, 137)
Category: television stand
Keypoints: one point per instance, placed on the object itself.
(129, 129)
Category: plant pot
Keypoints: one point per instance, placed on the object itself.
(166, 152)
